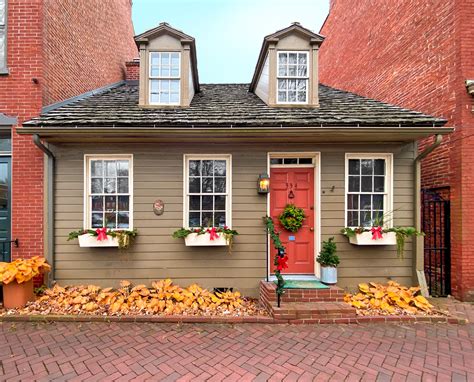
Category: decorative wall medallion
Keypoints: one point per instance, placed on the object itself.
(158, 207)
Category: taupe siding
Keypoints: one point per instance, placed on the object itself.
(158, 174)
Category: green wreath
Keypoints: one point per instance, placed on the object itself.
(292, 218)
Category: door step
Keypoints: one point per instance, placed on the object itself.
(313, 313)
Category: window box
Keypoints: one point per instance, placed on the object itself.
(195, 240)
(365, 238)
(89, 241)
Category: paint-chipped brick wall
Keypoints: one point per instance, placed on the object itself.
(86, 45)
(416, 54)
(98, 38)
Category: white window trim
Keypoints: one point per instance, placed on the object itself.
(388, 206)
(170, 77)
(228, 207)
(3, 30)
(87, 171)
(308, 68)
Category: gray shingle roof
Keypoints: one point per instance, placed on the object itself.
(226, 105)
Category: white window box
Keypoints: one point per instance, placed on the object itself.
(365, 238)
(195, 240)
(91, 241)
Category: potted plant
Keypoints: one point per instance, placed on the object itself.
(329, 261)
(102, 237)
(17, 279)
(206, 236)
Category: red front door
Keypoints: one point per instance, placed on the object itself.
(294, 186)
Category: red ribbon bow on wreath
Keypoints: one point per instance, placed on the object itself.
(376, 233)
(282, 262)
(101, 234)
(213, 233)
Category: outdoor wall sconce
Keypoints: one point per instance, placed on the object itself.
(470, 87)
(263, 184)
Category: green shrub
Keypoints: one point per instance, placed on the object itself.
(327, 257)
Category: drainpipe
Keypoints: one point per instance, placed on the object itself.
(50, 205)
(419, 242)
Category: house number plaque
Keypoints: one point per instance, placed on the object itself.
(158, 207)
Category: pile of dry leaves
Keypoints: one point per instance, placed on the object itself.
(390, 299)
(162, 298)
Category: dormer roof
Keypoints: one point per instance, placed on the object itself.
(314, 39)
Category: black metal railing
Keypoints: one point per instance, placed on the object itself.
(437, 242)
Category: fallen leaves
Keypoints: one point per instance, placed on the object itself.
(390, 299)
(162, 298)
(23, 270)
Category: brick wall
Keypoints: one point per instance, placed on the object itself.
(70, 47)
(133, 70)
(86, 45)
(415, 54)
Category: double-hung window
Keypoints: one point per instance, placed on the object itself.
(3, 36)
(368, 190)
(109, 192)
(207, 191)
(165, 74)
(292, 82)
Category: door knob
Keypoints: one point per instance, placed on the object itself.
(311, 229)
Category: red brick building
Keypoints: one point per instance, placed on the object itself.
(51, 51)
(420, 55)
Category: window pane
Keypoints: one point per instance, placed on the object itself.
(165, 58)
(290, 160)
(291, 96)
(122, 168)
(302, 57)
(276, 161)
(282, 71)
(97, 220)
(155, 98)
(207, 219)
(379, 183)
(366, 202)
(97, 203)
(367, 166)
(306, 160)
(97, 168)
(219, 185)
(194, 167)
(3, 62)
(175, 60)
(207, 167)
(281, 96)
(352, 218)
(174, 98)
(123, 220)
(354, 183)
(292, 58)
(194, 185)
(124, 203)
(379, 167)
(110, 220)
(155, 72)
(219, 202)
(377, 202)
(219, 219)
(122, 185)
(97, 186)
(354, 166)
(302, 71)
(110, 203)
(292, 84)
(377, 218)
(301, 85)
(292, 70)
(110, 186)
(219, 167)
(165, 71)
(110, 168)
(282, 58)
(155, 58)
(194, 219)
(194, 203)
(174, 85)
(366, 185)
(282, 84)
(301, 96)
(155, 86)
(207, 203)
(365, 218)
(352, 202)
(207, 185)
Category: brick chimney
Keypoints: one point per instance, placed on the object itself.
(132, 74)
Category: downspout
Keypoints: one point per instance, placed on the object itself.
(50, 205)
(419, 241)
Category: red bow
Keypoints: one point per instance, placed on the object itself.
(282, 262)
(376, 233)
(213, 233)
(101, 234)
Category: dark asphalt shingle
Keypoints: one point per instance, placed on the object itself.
(225, 105)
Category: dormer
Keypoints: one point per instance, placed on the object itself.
(168, 68)
(286, 74)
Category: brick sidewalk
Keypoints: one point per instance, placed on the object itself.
(123, 351)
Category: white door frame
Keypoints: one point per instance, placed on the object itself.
(316, 155)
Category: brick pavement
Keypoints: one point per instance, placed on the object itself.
(258, 352)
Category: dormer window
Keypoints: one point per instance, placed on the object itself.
(165, 78)
(292, 77)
